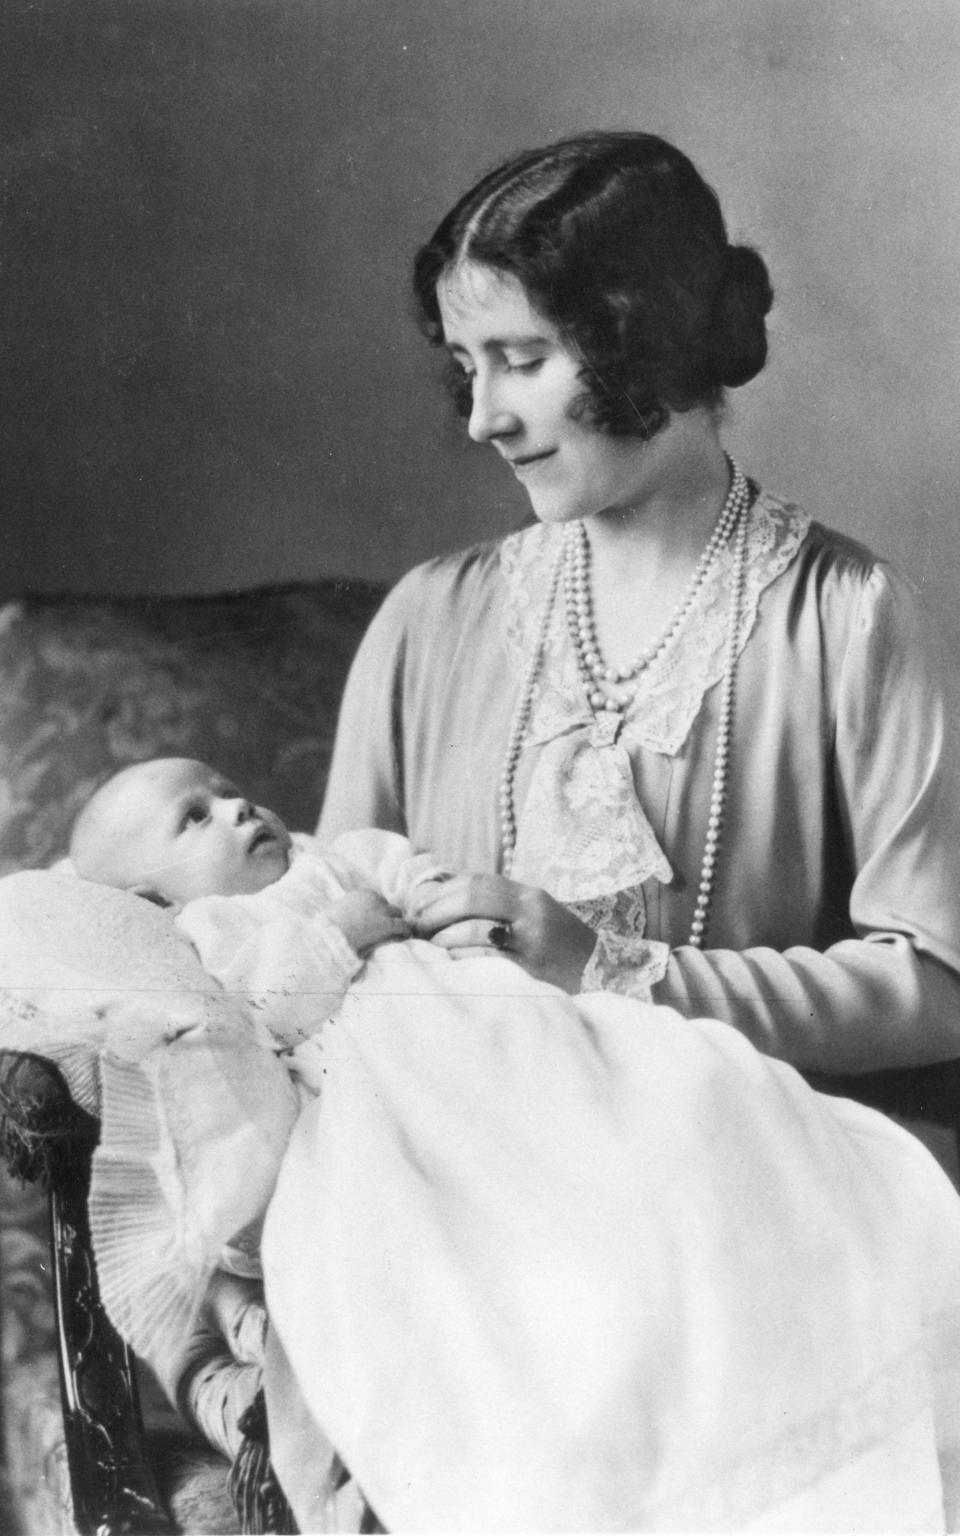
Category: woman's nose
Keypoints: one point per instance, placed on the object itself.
(489, 415)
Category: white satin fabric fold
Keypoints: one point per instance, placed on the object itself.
(548, 1264)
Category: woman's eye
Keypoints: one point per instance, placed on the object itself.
(528, 365)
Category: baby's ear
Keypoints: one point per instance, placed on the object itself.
(149, 894)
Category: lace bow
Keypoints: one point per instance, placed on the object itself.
(582, 787)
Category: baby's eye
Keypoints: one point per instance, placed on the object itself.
(193, 815)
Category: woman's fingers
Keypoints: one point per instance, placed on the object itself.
(492, 914)
(463, 898)
(475, 934)
(472, 914)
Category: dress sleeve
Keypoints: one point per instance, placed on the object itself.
(890, 995)
(365, 784)
(293, 967)
(383, 861)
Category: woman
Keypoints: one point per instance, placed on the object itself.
(684, 742)
(687, 747)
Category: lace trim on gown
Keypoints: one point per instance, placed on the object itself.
(622, 959)
(581, 831)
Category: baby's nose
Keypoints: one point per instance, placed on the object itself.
(242, 809)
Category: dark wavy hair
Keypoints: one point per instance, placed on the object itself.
(621, 244)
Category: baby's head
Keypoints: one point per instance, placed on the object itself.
(172, 830)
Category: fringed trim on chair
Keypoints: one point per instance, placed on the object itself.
(29, 1155)
(260, 1501)
(43, 1134)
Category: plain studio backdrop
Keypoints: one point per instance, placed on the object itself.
(210, 377)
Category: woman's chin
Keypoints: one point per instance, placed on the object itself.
(548, 509)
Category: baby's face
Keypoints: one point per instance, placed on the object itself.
(176, 829)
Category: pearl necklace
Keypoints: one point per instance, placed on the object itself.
(600, 681)
(732, 518)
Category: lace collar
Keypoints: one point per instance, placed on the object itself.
(672, 692)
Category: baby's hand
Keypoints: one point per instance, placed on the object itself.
(365, 919)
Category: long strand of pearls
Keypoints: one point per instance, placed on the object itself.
(721, 760)
(733, 519)
(521, 716)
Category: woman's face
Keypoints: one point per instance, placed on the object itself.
(525, 380)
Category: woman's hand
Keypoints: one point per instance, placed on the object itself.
(488, 914)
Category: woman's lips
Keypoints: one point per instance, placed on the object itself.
(529, 461)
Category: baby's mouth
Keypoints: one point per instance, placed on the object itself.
(262, 835)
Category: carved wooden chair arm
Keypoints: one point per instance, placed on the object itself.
(47, 1136)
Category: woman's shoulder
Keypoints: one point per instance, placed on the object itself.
(852, 588)
(454, 570)
(828, 560)
(446, 587)
(842, 557)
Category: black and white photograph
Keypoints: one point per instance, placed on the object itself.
(479, 767)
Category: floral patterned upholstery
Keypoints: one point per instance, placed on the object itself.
(249, 681)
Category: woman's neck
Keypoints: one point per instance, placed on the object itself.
(643, 556)
(685, 482)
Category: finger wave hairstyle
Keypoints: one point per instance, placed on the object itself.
(618, 240)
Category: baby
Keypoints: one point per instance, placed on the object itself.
(173, 830)
(270, 915)
(272, 919)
